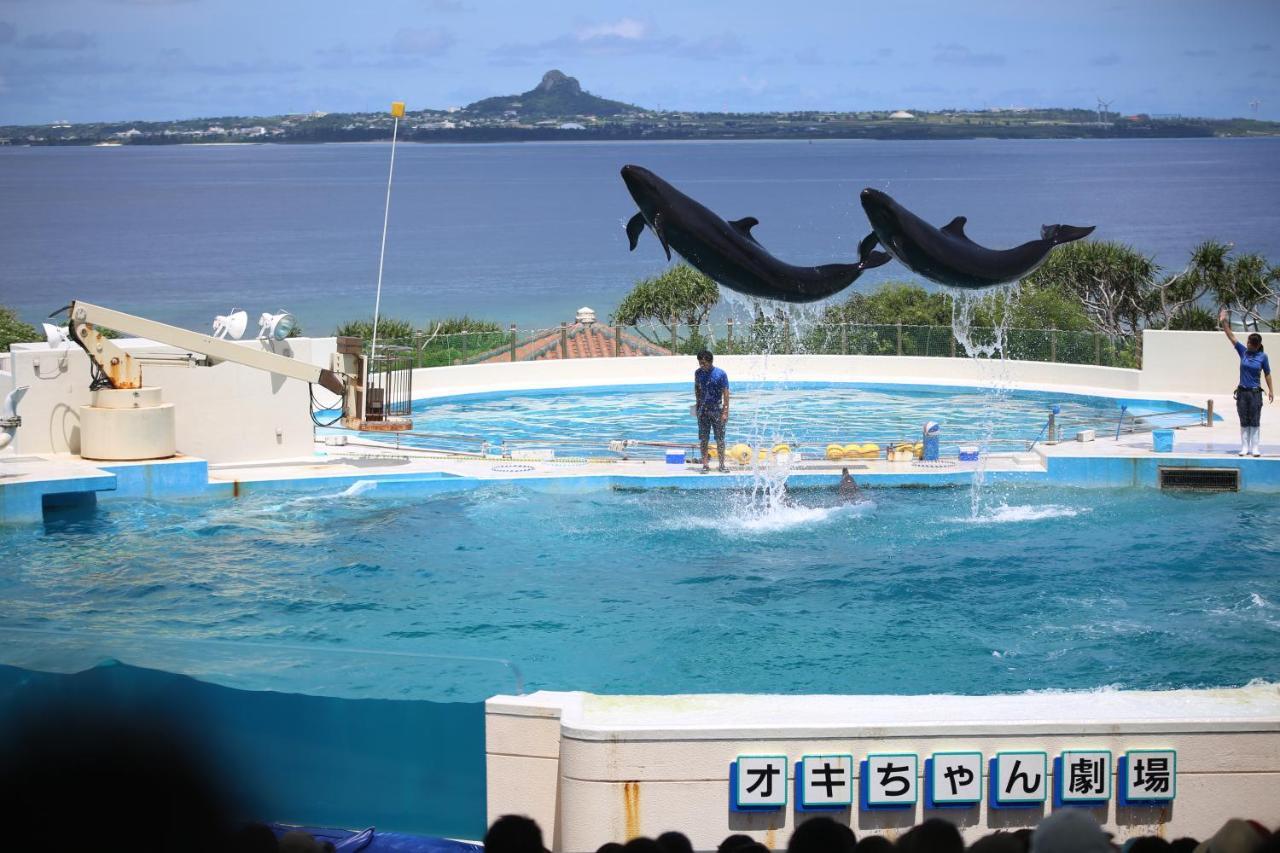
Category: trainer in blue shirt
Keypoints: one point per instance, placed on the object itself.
(1254, 364)
(711, 405)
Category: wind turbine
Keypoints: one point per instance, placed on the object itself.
(1103, 106)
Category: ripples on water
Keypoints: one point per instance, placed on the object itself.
(677, 591)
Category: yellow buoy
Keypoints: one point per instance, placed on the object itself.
(713, 453)
(781, 448)
(835, 451)
(852, 451)
(740, 453)
(870, 450)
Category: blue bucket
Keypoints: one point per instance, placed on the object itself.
(675, 457)
(1162, 440)
(932, 434)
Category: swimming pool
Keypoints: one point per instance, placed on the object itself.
(670, 591)
(809, 412)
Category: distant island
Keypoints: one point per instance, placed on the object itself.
(559, 109)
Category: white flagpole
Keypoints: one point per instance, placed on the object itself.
(397, 110)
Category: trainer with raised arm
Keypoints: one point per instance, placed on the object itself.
(1254, 364)
(711, 405)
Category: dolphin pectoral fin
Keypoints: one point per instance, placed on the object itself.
(659, 229)
(955, 228)
(635, 227)
(1059, 234)
(743, 226)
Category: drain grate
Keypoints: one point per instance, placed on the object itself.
(1201, 479)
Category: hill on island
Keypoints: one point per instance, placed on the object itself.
(557, 95)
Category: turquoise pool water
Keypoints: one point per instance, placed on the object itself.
(663, 591)
(791, 411)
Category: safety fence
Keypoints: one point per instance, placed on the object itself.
(598, 340)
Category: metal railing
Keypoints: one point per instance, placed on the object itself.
(578, 340)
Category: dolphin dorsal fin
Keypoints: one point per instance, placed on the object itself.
(956, 228)
(744, 225)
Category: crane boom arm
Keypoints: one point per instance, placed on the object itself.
(124, 371)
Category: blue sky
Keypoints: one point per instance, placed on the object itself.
(89, 60)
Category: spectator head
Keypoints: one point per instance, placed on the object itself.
(821, 835)
(80, 770)
(514, 834)
(1146, 844)
(734, 842)
(1185, 844)
(1070, 831)
(935, 835)
(873, 844)
(754, 847)
(254, 838)
(642, 845)
(999, 842)
(705, 356)
(297, 841)
(675, 842)
(1235, 836)
(610, 847)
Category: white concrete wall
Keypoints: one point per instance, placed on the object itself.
(1201, 362)
(592, 769)
(1187, 365)
(225, 413)
(569, 373)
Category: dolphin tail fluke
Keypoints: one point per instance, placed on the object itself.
(1059, 234)
(869, 259)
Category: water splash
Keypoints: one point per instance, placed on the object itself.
(1005, 514)
(991, 358)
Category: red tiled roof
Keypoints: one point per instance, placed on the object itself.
(581, 340)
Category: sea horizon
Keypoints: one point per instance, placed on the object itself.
(528, 232)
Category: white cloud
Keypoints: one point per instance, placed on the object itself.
(626, 28)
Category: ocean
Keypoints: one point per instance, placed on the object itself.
(528, 233)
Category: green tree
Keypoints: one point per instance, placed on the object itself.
(14, 331)
(680, 295)
(1035, 307)
(1112, 282)
(893, 302)
(1194, 318)
(389, 328)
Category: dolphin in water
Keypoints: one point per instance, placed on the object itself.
(726, 251)
(947, 256)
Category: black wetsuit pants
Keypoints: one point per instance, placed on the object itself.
(1249, 406)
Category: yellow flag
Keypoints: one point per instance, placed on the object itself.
(397, 109)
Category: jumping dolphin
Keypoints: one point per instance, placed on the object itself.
(726, 251)
(947, 256)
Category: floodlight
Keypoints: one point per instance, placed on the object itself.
(231, 325)
(276, 326)
(56, 336)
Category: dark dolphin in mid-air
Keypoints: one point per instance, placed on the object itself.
(726, 251)
(947, 256)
